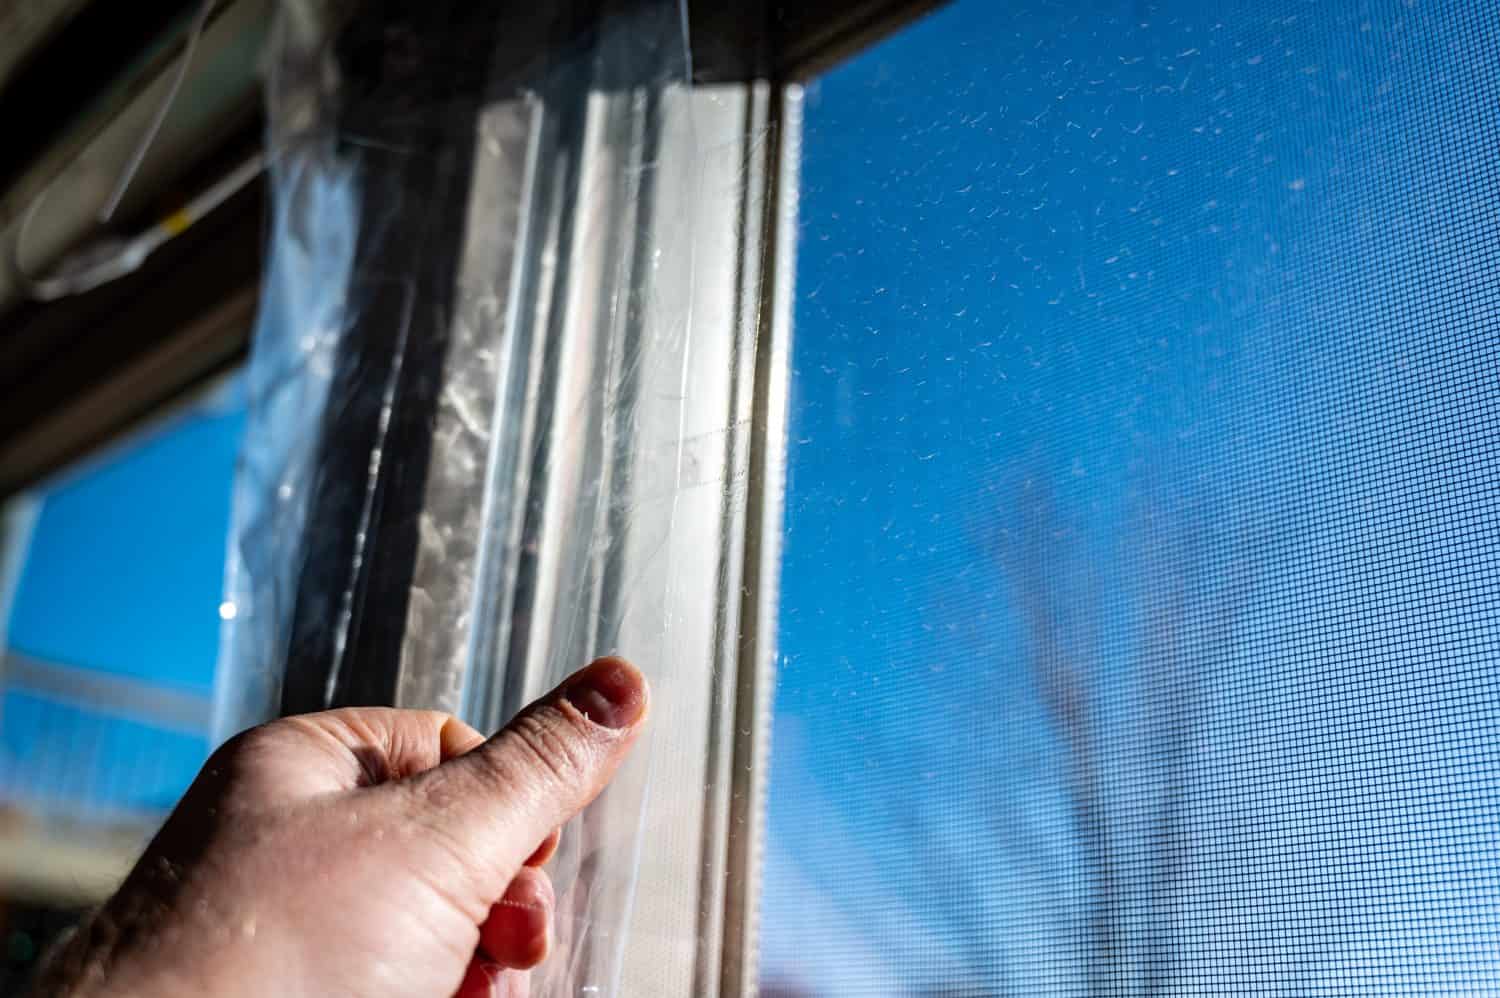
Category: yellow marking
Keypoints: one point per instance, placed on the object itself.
(177, 222)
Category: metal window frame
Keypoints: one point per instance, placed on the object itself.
(633, 476)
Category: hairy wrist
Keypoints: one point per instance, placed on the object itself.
(133, 945)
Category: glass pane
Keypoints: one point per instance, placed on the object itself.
(1139, 608)
(113, 626)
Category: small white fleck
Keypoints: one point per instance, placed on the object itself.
(227, 610)
(1297, 185)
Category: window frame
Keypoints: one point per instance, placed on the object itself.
(187, 315)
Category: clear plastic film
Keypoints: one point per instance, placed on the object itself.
(502, 395)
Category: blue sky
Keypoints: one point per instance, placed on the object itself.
(1145, 351)
(121, 545)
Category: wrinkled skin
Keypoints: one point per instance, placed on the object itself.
(363, 851)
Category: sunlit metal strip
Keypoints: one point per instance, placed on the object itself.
(645, 466)
(779, 161)
(116, 696)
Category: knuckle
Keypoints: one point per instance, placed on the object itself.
(246, 749)
(251, 739)
(272, 736)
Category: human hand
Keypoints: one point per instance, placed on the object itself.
(364, 851)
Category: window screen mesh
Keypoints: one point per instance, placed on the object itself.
(1139, 613)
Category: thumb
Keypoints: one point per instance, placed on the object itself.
(496, 804)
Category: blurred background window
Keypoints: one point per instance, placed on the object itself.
(1139, 604)
(111, 600)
